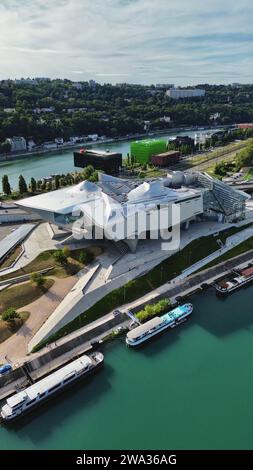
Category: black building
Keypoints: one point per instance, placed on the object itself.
(109, 162)
(183, 140)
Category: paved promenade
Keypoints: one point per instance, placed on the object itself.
(40, 310)
(182, 287)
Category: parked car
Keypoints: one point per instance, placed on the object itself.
(116, 312)
(5, 368)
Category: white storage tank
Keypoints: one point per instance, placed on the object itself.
(176, 177)
(189, 179)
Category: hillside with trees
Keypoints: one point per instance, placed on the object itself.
(45, 109)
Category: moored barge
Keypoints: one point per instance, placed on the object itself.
(25, 401)
(234, 280)
(158, 324)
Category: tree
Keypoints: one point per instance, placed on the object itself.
(5, 147)
(6, 185)
(38, 279)
(22, 185)
(94, 177)
(49, 186)
(220, 168)
(43, 185)
(83, 257)
(88, 171)
(60, 256)
(10, 315)
(33, 185)
(89, 256)
(244, 157)
(66, 251)
(57, 181)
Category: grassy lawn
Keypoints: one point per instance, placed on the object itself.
(46, 260)
(248, 175)
(11, 257)
(236, 251)
(230, 148)
(7, 329)
(154, 173)
(207, 161)
(23, 294)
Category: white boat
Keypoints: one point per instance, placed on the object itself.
(34, 395)
(234, 281)
(158, 324)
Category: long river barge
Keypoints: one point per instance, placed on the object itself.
(31, 397)
(158, 324)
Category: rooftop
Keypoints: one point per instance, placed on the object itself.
(140, 330)
(109, 190)
(98, 153)
(50, 381)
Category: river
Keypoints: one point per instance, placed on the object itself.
(39, 166)
(191, 388)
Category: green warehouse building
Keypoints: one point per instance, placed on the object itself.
(143, 150)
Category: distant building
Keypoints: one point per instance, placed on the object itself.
(93, 137)
(59, 140)
(201, 138)
(73, 110)
(18, 144)
(77, 85)
(43, 79)
(146, 125)
(26, 81)
(110, 162)
(76, 139)
(44, 110)
(236, 85)
(30, 144)
(214, 116)
(51, 145)
(165, 119)
(245, 126)
(219, 135)
(9, 110)
(183, 140)
(179, 93)
(92, 83)
(165, 86)
(165, 159)
(143, 150)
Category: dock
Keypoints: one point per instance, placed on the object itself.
(56, 355)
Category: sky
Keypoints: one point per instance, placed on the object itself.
(137, 41)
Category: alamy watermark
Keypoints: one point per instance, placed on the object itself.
(115, 222)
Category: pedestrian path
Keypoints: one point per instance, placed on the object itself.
(231, 242)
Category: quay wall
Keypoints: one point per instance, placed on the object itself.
(74, 342)
(43, 359)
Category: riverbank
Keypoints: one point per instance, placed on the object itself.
(62, 161)
(17, 156)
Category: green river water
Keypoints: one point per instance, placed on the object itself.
(191, 388)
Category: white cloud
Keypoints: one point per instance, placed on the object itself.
(145, 40)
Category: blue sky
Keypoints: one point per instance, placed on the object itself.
(137, 41)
